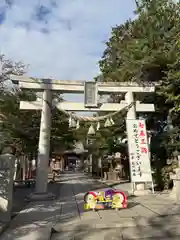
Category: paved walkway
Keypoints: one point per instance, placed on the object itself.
(147, 217)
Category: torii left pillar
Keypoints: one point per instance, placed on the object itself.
(44, 149)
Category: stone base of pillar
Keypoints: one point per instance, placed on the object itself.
(140, 190)
(45, 196)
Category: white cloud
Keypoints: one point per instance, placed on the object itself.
(73, 42)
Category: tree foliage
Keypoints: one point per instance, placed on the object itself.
(21, 127)
(146, 50)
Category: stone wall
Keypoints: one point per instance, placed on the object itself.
(7, 168)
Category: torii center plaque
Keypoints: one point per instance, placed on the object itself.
(90, 95)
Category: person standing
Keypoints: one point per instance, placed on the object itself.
(73, 167)
(52, 166)
(55, 168)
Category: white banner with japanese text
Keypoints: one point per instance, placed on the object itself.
(139, 157)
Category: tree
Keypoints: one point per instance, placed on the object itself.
(146, 50)
(18, 127)
(8, 67)
(21, 127)
(8, 98)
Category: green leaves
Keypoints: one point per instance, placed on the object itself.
(147, 49)
(21, 127)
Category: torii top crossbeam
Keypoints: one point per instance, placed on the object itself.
(68, 86)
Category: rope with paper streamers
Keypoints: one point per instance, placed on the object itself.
(96, 119)
(74, 120)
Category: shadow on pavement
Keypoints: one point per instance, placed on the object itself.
(21, 192)
(153, 229)
(164, 225)
(43, 214)
(67, 220)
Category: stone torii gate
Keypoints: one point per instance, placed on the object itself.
(47, 86)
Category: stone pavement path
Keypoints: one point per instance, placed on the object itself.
(147, 217)
(20, 192)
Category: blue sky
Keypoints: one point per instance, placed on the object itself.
(63, 39)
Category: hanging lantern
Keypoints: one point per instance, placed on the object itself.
(72, 122)
(98, 126)
(111, 121)
(91, 130)
(77, 124)
(107, 123)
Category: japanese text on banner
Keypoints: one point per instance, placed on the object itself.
(135, 157)
(138, 151)
(142, 138)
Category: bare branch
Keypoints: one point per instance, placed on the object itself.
(8, 67)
